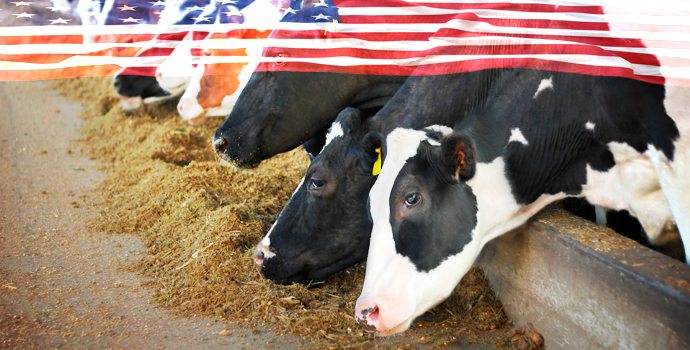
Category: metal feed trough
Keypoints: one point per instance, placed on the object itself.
(584, 286)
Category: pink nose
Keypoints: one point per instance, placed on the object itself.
(368, 315)
(259, 257)
(261, 253)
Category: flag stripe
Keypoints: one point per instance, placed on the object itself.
(626, 38)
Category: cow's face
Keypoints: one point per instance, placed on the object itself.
(325, 227)
(277, 111)
(424, 221)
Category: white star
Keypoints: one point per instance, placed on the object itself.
(195, 8)
(201, 19)
(157, 3)
(131, 20)
(291, 10)
(24, 15)
(127, 8)
(321, 16)
(321, 4)
(58, 8)
(59, 21)
(20, 3)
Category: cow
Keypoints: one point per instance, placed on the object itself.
(214, 87)
(325, 228)
(541, 136)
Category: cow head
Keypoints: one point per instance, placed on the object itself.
(324, 228)
(279, 110)
(214, 87)
(424, 236)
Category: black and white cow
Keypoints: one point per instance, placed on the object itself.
(541, 136)
(325, 227)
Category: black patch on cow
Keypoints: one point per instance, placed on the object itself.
(442, 223)
(559, 146)
(138, 86)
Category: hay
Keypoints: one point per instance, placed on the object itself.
(199, 222)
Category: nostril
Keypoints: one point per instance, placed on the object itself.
(259, 256)
(368, 318)
(220, 143)
(371, 313)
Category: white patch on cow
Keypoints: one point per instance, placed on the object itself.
(444, 130)
(336, 130)
(497, 210)
(265, 243)
(225, 107)
(674, 179)
(633, 185)
(517, 136)
(188, 107)
(675, 176)
(130, 103)
(590, 126)
(174, 74)
(543, 85)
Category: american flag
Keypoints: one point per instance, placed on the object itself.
(641, 39)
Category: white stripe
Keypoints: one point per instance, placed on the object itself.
(591, 60)
(332, 27)
(326, 44)
(483, 27)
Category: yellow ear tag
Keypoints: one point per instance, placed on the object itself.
(377, 164)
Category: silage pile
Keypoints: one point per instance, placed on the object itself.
(200, 220)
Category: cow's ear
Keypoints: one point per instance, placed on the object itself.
(372, 155)
(350, 119)
(457, 151)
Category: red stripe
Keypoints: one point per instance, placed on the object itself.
(467, 66)
(448, 50)
(473, 6)
(62, 73)
(57, 58)
(497, 22)
(42, 39)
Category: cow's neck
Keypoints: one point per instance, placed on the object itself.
(498, 211)
(435, 100)
(376, 95)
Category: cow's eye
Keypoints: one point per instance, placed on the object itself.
(315, 184)
(412, 199)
